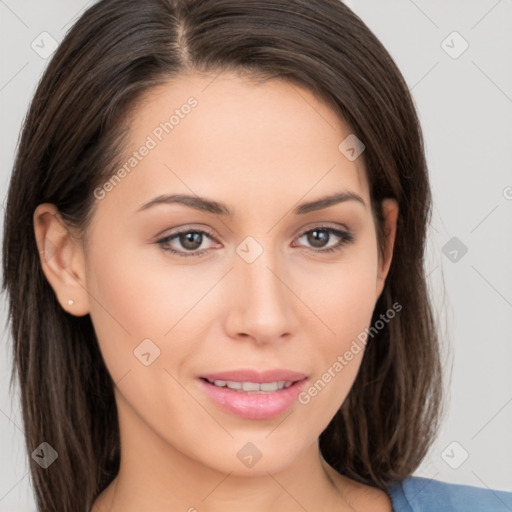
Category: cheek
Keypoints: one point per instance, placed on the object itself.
(347, 302)
(337, 355)
(130, 302)
(344, 302)
(159, 307)
(343, 295)
(133, 290)
(146, 326)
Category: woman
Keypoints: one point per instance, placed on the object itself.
(214, 257)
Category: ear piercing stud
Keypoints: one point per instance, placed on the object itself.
(71, 302)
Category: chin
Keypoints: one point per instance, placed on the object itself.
(257, 455)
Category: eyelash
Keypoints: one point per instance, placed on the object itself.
(345, 238)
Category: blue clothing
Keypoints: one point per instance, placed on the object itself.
(418, 494)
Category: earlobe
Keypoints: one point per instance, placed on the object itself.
(390, 212)
(62, 259)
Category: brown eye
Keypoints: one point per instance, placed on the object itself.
(191, 240)
(319, 236)
(188, 240)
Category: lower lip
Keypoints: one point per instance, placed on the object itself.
(254, 406)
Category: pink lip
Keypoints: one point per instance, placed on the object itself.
(256, 405)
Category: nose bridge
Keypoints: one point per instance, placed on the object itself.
(262, 299)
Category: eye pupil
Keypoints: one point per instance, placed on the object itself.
(317, 236)
(191, 240)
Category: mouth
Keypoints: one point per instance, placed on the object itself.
(254, 399)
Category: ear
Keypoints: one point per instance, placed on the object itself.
(62, 259)
(390, 214)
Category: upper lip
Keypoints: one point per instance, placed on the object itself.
(248, 375)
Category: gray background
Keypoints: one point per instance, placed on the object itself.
(464, 103)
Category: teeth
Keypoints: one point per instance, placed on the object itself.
(253, 386)
(250, 386)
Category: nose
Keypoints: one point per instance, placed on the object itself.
(262, 304)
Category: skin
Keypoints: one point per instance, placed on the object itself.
(260, 149)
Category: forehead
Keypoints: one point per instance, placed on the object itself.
(225, 136)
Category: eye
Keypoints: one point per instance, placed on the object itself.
(192, 239)
(320, 234)
(189, 239)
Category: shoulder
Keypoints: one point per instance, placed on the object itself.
(417, 494)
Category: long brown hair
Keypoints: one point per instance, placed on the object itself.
(72, 141)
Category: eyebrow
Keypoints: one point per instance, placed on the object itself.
(210, 206)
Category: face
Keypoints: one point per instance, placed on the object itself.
(255, 281)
